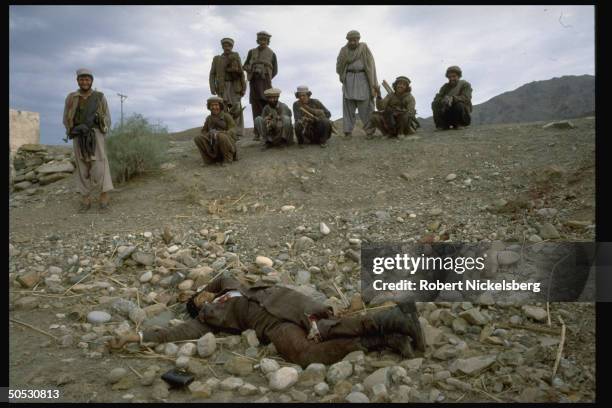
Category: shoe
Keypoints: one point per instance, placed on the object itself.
(416, 331)
(103, 206)
(323, 145)
(399, 343)
(84, 207)
(402, 319)
(348, 135)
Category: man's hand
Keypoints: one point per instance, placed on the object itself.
(118, 342)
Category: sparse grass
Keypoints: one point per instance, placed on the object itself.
(136, 148)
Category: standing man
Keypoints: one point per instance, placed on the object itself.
(396, 114)
(227, 80)
(312, 126)
(216, 141)
(452, 106)
(87, 120)
(357, 71)
(261, 67)
(274, 124)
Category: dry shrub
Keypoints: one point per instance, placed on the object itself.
(135, 148)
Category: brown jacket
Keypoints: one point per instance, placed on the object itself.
(462, 93)
(283, 303)
(223, 65)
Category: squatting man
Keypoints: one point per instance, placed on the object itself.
(302, 330)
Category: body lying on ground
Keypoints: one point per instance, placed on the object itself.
(303, 330)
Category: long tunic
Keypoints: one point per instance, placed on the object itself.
(359, 59)
(227, 68)
(92, 174)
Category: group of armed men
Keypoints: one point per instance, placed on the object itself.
(87, 117)
(303, 330)
(395, 115)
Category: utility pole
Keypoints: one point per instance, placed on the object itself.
(123, 97)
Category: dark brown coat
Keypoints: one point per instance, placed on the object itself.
(281, 302)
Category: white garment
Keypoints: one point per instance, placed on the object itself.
(228, 294)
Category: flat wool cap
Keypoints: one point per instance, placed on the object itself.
(214, 99)
(264, 34)
(227, 40)
(302, 89)
(84, 71)
(272, 92)
(353, 34)
(454, 69)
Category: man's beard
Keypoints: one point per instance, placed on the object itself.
(273, 104)
(85, 89)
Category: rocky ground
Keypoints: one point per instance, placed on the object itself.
(304, 213)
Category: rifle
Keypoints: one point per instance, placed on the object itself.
(212, 140)
(385, 84)
(390, 91)
(272, 122)
(310, 115)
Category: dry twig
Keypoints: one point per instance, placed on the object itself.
(560, 350)
(33, 328)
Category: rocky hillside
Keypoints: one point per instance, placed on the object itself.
(299, 217)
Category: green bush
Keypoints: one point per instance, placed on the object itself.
(136, 147)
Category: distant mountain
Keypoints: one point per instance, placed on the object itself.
(566, 97)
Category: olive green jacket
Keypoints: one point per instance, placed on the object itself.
(405, 102)
(223, 65)
(462, 93)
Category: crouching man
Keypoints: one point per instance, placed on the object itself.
(217, 141)
(303, 330)
(312, 124)
(452, 105)
(274, 125)
(396, 115)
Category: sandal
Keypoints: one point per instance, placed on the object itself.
(103, 206)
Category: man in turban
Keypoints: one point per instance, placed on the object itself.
(87, 120)
(227, 80)
(357, 71)
(274, 125)
(396, 113)
(261, 67)
(452, 106)
(217, 141)
(312, 124)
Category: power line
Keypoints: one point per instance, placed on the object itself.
(123, 97)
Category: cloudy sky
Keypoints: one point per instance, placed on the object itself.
(160, 56)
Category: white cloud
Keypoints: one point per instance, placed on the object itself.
(160, 56)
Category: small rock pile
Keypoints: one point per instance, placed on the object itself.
(36, 166)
